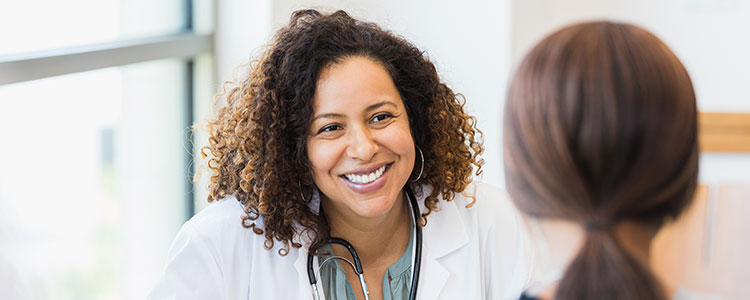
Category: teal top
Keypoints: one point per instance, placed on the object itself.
(396, 282)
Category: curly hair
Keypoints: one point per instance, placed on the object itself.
(257, 140)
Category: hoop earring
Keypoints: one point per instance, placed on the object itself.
(421, 168)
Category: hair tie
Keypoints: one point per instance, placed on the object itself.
(597, 225)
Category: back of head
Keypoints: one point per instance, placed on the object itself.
(600, 128)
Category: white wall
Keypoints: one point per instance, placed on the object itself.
(711, 37)
(242, 27)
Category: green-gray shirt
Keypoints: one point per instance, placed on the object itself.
(396, 282)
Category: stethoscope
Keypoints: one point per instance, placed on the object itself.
(357, 265)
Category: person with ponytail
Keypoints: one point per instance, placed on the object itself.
(600, 149)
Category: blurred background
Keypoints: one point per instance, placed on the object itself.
(97, 100)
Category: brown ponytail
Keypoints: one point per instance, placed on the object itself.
(604, 270)
(601, 128)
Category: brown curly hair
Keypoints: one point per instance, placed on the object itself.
(257, 140)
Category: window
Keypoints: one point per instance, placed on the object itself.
(94, 181)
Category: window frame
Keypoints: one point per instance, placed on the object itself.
(185, 44)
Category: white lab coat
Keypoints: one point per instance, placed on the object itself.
(468, 253)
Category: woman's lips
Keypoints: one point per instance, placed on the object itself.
(361, 187)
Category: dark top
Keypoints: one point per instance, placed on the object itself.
(527, 297)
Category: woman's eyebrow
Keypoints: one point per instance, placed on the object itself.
(379, 104)
(327, 115)
(369, 108)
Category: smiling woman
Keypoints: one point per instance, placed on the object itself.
(362, 153)
(327, 136)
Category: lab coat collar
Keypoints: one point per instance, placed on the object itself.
(302, 280)
(300, 264)
(445, 233)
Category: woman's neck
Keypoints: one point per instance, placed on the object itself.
(379, 241)
(564, 240)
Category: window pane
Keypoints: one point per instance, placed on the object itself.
(32, 25)
(93, 180)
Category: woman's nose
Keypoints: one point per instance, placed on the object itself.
(362, 146)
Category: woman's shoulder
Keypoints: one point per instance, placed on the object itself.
(487, 202)
(202, 258)
(488, 212)
(220, 225)
(496, 229)
(225, 214)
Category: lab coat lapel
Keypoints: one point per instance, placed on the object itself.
(444, 234)
(305, 291)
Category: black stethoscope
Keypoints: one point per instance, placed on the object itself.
(357, 265)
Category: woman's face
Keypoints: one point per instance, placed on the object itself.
(360, 146)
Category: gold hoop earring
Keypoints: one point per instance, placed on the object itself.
(421, 168)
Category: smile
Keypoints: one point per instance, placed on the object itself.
(366, 178)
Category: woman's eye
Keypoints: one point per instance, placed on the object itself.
(381, 117)
(329, 128)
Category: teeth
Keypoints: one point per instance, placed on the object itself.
(366, 178)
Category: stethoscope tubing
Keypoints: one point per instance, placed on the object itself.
(357, 265)
(417, 246)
